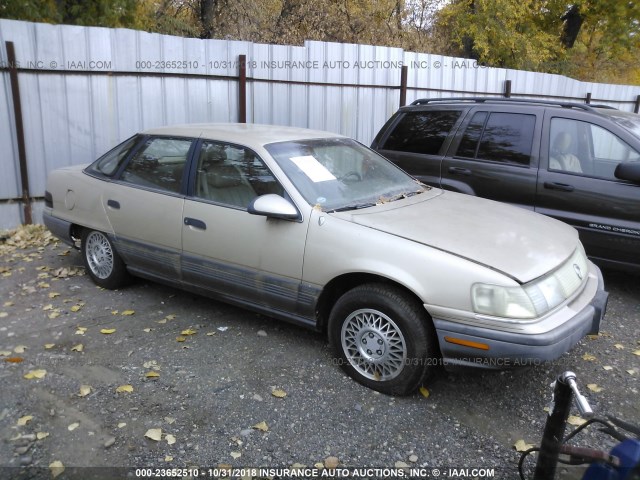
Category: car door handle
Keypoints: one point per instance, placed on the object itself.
(559, 186)
(113, 204)
(195, 223)
(459, 171)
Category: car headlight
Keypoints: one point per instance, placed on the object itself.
(497, 301)
(535, 298)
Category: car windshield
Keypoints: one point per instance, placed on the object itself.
(341, 174)
(630, 121)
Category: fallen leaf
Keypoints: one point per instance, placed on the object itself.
(170, 439)
(14, 359)
(631, 371)
(4, 314)
(75, 308)
(20, 349)
(77, 348)
(42, 435)
(108, 331)
(154, 434)
(636, 352)
(619, 346)
(170, 317)
(124, 389)
(575, 421)
(146, 330)
(608, 367)
(151, 364)
(181, 339)
(49, 346)
(522, 446)
(169, 420)
(593, 337)
(318, 465)
(53, 294)
(8, 304)
(73, 426)
(235, 455)
(48, 307)
(188, 331)
(331, 462)
(594, 387)
(127, 313)
(424, 392)
(262, 426)
(114, 312)
(35, 374)
(5, 353)
(122, 425)
(81, 330)
(163, 321)
(211, 334)
(84, 390)
(152, 374)
(278, 393)
(588, 357)
(223, 329)
(24, 420)
(56, 468)
(168, 458)
(53, 315)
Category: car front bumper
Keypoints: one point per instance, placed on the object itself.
(462, 344)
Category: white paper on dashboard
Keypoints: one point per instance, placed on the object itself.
(313, 169)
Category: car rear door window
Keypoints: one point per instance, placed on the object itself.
(422, 132)
(159, 164)
(502, 137)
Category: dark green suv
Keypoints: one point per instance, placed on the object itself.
(574, 162)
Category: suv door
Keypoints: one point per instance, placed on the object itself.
(495, 154)
(584, 191)
(416, 140)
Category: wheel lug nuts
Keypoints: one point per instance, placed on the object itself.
(379, 342)
(379, 352)
(369, 352)
(370, 335)
(364, 340)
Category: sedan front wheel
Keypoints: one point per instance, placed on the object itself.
(383, 338)
(101, 260)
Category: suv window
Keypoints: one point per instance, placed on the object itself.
(584, 148)
(422, 132)
(499, 137)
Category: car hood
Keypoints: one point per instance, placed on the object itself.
(517, 242)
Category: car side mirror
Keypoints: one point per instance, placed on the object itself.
(273, 206)
(629, 171)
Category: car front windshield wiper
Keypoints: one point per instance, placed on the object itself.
(352, 206)
(393, 198)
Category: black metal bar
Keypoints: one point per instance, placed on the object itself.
(403, 85)
(22, 151)
(242, 89)
(554, 431)
(507, 89)
(636, 108)
(588, 99)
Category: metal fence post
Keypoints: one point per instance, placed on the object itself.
(22, 151)
(242, 89)
(588, 99)
(507, 88)
(403, 85)
(636, 108)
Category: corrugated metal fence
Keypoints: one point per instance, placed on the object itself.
(84, 89)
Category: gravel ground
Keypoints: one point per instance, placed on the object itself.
(207, 375)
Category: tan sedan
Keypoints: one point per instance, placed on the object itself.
(316, 229)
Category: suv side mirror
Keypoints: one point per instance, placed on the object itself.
(628, 171)
(273, 206)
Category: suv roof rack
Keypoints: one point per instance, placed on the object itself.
(582, 106)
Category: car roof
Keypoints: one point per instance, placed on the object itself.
(242, 133)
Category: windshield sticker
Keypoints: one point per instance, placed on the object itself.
(313, 169)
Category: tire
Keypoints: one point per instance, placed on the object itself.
(399, 328)
(102, 262)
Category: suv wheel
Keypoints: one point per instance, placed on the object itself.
(383, 338)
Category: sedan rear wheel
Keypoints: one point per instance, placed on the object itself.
(383, 338)
(101, 260)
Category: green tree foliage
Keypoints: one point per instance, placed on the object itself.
(586, 39)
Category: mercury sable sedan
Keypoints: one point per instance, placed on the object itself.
(316, 229)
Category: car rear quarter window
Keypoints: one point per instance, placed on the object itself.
(422, 132)
(110, 162)
(499, 137)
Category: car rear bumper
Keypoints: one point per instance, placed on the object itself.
(58, 227)
(481, 347)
